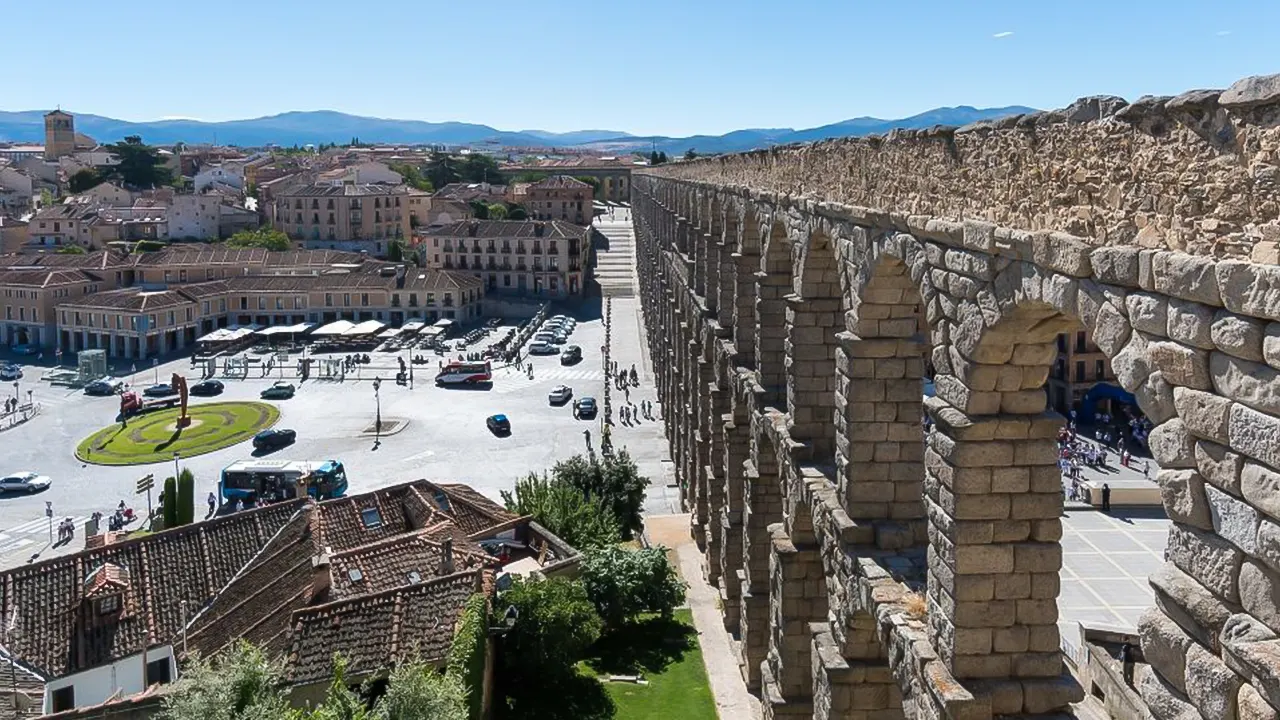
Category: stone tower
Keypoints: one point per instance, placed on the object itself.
(59, 135)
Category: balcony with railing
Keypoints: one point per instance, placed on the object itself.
(520, 249)
(521, 267)
(553, 249)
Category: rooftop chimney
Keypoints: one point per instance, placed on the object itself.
(320, 578)
(446, 557)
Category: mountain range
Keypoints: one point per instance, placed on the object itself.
(327, 126)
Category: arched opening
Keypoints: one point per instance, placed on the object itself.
(814, 320)
(773, 284)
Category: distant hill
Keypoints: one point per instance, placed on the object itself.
(327, 126)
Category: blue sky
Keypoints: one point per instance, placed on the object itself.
(672, 67)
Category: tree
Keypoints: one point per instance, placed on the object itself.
(497, 211)
(395, 251)
(564, 510)
(690, 154)
(556, 625)
(243, 684)
(83, 180)
(592, 181)
(517, 212)
(186, 497)
(170, 503)
(413, 176)
(480, 168)
(262, 237)
(139, 165)
(341, 703)
(623, 583)
(71, 250)
(653, 158)
(662, 157)
(615, 481)
(442, 169)
(479, 209)
(415, 691)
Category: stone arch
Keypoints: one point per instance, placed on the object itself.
(773, 284)
(814, 319)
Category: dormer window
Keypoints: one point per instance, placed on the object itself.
(371, 518)
(109, 604)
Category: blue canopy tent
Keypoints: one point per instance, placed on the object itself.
(1103, 391)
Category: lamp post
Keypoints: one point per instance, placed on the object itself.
(176, 457)
(377, 422)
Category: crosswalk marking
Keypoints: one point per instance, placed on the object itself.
(40, 525)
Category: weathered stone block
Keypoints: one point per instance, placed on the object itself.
(1190, 277)
(1210, 560)
(1260, 593)
(1165, 645)
(1117, 265)
(1250, 289)
(1190, 324)
(1111, 330)
(1155, 397)
(1172, 446)
(1148, 312)
(1250, 383)
(1211, 685)
(1183, 493)
(1181, 365)
(1238, 335)
(1251, 705)
(1268, 543)
(1204, 414)
(1219, 466)
(1197, 611)
(1234, 520)
(1271, 345)
(1260, 486)
(1164, 701)
(1255, 434)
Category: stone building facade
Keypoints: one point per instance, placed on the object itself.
(871, 568)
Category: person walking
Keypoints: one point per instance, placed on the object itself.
(213, 503)
(1106, 497)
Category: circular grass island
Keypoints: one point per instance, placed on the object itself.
(154, 436)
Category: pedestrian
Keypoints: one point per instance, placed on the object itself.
(1106, 497)
(213, 503)
(1126, 662)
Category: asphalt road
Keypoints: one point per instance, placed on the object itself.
(445, 437)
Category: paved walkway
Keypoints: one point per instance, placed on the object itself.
(733, 702)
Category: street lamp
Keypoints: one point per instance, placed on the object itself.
(176, 457)
(377, 422)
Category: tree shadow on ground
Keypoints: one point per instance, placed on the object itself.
(645, 646)
(175, 437)
(558, 696)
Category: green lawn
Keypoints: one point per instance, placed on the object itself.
(152, 437)
(666, 654)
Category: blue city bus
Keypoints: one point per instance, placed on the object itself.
(264, 481)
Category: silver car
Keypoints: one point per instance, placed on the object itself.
(559, 394)
(25, 481)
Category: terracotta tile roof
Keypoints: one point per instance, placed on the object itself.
(134, 299)
(58, 633)
(46, 278)
(378, 630)
(473, 512)
(560, 182)
(100, 260)
(398, 561)
(15, 676)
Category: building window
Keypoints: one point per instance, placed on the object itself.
(64, 698)
(328, 300)
(154, 324)
(158, 672)
(506, 281)
(371, 518)
(346, 300)
(1079, 371)
(1099, 370)
(1080, 344)
(279, 303)
(171, 320)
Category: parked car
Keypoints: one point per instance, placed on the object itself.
(570, 354)
(10, 372)
(498, 424)
(279, 391)
(560, 394)
(585, 408)
(160, 390)
(542, 348)
(25, 481)
(206, 388)
(559, 339)
(544, 337)
(273, 439)
(105, 386)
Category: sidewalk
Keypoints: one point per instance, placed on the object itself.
(733, 702)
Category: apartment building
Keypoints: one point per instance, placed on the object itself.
(560, 197)
(343, 216)
(1082, 370)
(524, 257)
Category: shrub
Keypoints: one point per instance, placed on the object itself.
(467, 654)
(169, 506)
(186, 509)
(615, 481)
(564, 510)
(623, 583)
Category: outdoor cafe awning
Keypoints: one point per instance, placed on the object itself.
(229, 334)
(368, 327)
(337, 327)
(389, 333)
(413, 326)
(287, 329)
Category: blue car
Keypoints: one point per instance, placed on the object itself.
(498, 424)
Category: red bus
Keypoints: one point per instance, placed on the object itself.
(457, 372)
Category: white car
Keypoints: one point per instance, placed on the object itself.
(560, 394)
(10, 372)
(27, 481)
(542, 348)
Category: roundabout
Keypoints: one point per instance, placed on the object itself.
(154, 437)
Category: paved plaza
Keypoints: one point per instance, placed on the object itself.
(445, 437)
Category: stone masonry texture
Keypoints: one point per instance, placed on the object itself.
(870, 569)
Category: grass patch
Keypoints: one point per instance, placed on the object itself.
(665, 652)
(152, 438)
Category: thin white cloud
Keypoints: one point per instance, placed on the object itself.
(1223, 33)
(1004, 34)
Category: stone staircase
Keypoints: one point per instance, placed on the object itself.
(616, 263)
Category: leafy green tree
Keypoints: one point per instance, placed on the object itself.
(46, 198)
(170, 506)
(497, 211)
(614, 480)
(71, 250)
(517, 212)
(148, 246)
(413, 176)
(395, 251)
(83, 180)
(139, 165)
(240, 684)
(480, 168)
(268, 238)
(442, 169)
(529, 177)
(186, 497)
(556, 625)
(341, 703)
(690, 154)
(623, 583)
(480, 210)
(415, 691)
(662, 157)
(592, 181)
(564, 510)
